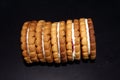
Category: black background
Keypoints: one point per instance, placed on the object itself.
(105, 15)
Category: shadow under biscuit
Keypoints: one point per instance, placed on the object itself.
(57, 64)
(31, 64)
(85, 60)
(49, 64)
(77, 61)
(64, 64)
(88, 60)
(93, 61)
(70, 62)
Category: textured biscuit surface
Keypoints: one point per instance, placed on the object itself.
(24, 43)
(63, 41)
(69, 40)
(84, 44)
(39, 43)
(92, 39)
(77, 39)
(47, 42)
(31, 41)
(54, 42)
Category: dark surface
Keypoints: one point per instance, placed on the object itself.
(105, 15)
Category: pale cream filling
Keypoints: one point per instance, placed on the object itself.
(43, 44)
(28, 51)
(58, 27)
(73, 41)
(88, 37)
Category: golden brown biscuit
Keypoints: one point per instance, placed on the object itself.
(55, 42)
(84, 42)
(62, 40)
(69, 40)
(47, 42)
(92, 39)
(39, 40)
(24, 43)
(77, 39)
(31, 41)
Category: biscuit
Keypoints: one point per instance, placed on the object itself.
(24, 37)
(31, 41)
(83, 35)
(55, 42)
(47, 42)
(92, 39)
(62, 40)
(69, 40)
(39, 41)
(76, 40)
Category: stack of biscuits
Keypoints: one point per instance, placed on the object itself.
(58, 42)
